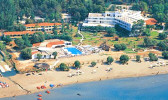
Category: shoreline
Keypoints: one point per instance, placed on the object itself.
(86, 81)
(78, 79)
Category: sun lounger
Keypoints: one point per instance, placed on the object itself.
(7, 68)
(2, 69)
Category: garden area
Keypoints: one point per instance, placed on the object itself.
(97, 38)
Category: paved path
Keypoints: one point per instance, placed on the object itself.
(81, 40)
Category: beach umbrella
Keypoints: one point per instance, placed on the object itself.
(51, 85)
(39, 95)
(48, 92)
(39, 99)
(38, 87)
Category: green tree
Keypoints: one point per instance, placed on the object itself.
(124, 59)
(149, 42)
(147, 32)
(26, 53)
(7, 16)
(166, 26)
(165, 54)
(26, 40)
(109, 60)
(111, 31)
(138, 28)
(93, 63)
(162, 36)
(138, 58)
(2, 46)
(37, 37)
(55, 54)
(117, 47)
(39, 56)
(77, 64)
(7, 39)
(123, 46)
(55, 32)
(152, 57)
(162, 45)
(63, 67)
(20, 43)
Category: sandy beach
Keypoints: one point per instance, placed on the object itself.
(97, 73)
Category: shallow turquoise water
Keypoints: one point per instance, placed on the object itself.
(141, 88)
(9, 73)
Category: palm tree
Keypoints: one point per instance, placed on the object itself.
(39, 56)
(55, 54)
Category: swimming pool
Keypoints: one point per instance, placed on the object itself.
(74, 50)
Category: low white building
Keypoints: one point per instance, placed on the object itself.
(45, 52)
(123, 18)
(66, 17)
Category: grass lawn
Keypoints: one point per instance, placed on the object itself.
(154, 34)
(128, 50)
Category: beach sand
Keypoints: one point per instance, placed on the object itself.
(29, 83)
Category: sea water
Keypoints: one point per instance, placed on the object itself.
(139, 88)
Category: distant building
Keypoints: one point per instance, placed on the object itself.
(151, 21)
(66, 17)
(45, 54)
(47, 50)
(42, 26)
(58, 44)
(124, 18)
(18, 33)
(36, 18)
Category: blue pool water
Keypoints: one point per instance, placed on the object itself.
(74, 50)
(140, 88)
(9, 73)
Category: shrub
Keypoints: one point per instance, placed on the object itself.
(109, 60)
(77, 64)
(63, 67)
(93, 64)
(138, 58)
(26, 53)
(152, 57)
(165, 54)
(119, 47)
(124, 59)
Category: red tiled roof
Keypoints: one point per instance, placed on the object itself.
(19, 32)
(151, 21)
(55, 43)
(36, 44)
(42, 24)
(34, 52)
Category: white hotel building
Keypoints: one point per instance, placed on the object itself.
(124, 18)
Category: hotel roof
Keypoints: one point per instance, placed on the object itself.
(35, 52)
(42, 24)
(151, 21)
(36, 44)
(55, 43)
(19, 33)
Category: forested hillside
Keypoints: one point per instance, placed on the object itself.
(13, 10)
